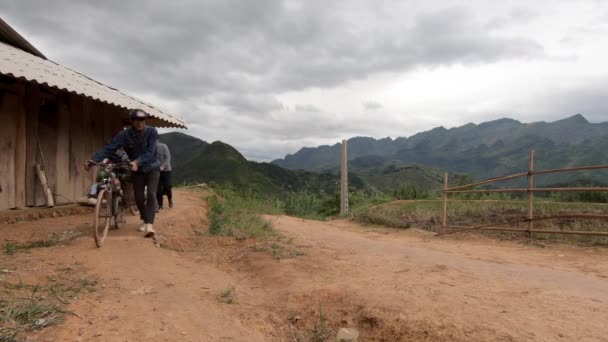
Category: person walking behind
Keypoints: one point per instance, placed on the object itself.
(164, 184)
(139, 142)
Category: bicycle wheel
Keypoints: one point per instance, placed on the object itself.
(134, 210)
(103, 214)
(118, 211)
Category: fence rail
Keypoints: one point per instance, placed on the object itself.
(530, 190)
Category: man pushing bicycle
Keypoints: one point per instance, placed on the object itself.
(139, 142)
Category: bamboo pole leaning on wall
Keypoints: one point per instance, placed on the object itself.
(50, 201)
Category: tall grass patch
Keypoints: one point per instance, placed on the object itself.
(238, 214)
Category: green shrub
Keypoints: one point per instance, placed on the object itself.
(239, 214)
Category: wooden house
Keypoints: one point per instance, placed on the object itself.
(56, 118)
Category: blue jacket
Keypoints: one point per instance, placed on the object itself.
(139, 145)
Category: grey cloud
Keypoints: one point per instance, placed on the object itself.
(288, 131)
(516, 15)
(247, 103)
(372, 105)
(589, 100)
(306, 108)
(200, 47)
(523, 14)
(227, 62)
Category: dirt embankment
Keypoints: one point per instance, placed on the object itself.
(389, 285)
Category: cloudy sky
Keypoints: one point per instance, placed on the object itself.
(270, 77)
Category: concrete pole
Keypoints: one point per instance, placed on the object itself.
(344, 181)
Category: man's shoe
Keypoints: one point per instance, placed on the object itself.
(159, 209)
(142, 228)
(149, 230)
(170, 203)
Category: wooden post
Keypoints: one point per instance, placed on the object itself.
(531, 194)
(444, 221)
(344, 181)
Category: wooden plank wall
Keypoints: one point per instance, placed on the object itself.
(91, 125)
(77, 137)
(21, 149)
(63, 189)
(9, 104)
(33, 191)
(66, 128)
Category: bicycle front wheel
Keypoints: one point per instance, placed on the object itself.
(103, 214)
(118, 211)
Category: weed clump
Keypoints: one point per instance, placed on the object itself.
(238, 215)
(11, 248)
(54, 239)
(227, 295)
(278, 250)
(321, 331)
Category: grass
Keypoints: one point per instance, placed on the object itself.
(227, 295)
(30, 313)
(427, 214)
(11, 248)
(239, 215)
(9, 338)
(54, 239)
(278, 250)
(321, 331)
(27, 307)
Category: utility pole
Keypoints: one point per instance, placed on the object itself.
(344, 181)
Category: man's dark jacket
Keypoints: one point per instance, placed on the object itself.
(139, 145)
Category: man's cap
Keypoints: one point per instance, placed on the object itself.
(138, 114)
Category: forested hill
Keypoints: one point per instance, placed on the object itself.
(488, 149)
(194, 160)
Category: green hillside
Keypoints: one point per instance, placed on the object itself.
(194, 160)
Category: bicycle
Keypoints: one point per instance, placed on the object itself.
(110, 199)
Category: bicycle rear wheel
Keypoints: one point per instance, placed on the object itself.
(134, 210)
(103, 214)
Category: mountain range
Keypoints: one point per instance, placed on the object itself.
(483, 150)
(194, 160)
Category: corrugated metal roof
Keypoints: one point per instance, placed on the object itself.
(20, 64)
(11, 37)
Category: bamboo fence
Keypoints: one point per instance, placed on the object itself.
(500, 226)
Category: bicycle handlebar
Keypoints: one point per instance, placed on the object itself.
(111, 165)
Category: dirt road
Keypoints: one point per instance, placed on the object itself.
(390, 285)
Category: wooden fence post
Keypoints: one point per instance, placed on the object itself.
(344, 181)
(531, 194)
(444, 221)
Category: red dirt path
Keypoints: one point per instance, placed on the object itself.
(390, 285)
